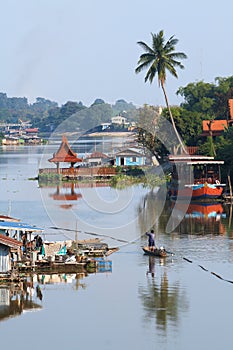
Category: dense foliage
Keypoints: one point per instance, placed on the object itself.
(47, 115)
(201, 101)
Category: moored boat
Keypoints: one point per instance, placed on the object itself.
(195, 178)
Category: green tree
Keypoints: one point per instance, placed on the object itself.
(147, 125)
(160, 58)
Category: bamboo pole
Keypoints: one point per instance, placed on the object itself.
(76, 232)
(230, 188)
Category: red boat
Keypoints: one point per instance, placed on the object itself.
(203, 174)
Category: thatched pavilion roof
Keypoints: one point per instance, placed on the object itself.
(65, 153)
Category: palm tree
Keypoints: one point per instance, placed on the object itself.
(160, 58)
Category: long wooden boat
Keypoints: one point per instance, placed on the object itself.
(195, 178)
(156, 252)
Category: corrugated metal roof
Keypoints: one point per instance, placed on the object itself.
(9, 242)
(18, 226)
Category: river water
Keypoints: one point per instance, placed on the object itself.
(181, 302)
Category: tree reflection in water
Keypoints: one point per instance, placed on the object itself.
(150, 209)
(161, 301)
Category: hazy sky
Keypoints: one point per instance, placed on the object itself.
(72, 50)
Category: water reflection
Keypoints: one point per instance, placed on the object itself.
(74, 279)
(162, 301)
(199, 218)
(27, 295)
(66, 192)
(150, 209)
(18, 298)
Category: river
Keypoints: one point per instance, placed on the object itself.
(181, 302)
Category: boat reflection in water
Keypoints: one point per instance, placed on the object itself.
(199, 218)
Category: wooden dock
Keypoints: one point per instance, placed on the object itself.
(80, 173)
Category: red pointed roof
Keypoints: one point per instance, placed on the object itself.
(65, 153)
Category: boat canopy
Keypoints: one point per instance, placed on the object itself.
(205, 162)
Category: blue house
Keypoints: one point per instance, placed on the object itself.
(130, 157)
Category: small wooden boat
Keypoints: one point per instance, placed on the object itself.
(156, 252)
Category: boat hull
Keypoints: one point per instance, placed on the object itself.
(198, 192)
(156, 252)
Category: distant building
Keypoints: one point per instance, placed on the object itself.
(130, 157)
(217, 126)
(119, 120)
(105, 126)
(97, 158)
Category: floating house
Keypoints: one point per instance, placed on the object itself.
(13, 236)
(66, 155)
(16, 230)
(8, 247)
(130, 157)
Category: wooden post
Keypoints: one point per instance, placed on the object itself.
(230, 188)
(76, 233)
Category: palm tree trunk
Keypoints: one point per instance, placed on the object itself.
(212, 148)
(173, 122)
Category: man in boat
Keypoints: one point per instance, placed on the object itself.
(151, 240)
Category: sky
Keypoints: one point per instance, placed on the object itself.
(72, 50)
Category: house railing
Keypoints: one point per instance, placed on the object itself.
(81, 172)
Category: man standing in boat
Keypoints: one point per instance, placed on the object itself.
(151, 240)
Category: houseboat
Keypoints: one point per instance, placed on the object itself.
(195, 178)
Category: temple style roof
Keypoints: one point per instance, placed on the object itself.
(65, 153)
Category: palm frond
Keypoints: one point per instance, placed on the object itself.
(160, 57)
(145, 47)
